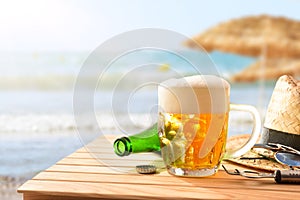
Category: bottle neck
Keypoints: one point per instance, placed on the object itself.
(145, 141)
(123, 146)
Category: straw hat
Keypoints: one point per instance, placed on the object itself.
(282, 122)
(284, 109)
(282, 125)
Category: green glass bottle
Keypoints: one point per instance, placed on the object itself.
(145, 141)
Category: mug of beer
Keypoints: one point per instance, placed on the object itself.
(193, 124)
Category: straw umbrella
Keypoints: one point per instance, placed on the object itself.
(251, 36)
(260, 36)
(273, 68)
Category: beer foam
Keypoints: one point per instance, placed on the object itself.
(194, 94)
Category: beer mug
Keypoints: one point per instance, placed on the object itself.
(193, 124)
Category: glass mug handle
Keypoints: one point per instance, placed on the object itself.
(255, 130)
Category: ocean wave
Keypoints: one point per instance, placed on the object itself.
(68, 81)
(53, 123)
(43, 82)
(59, 70)
(68, 123)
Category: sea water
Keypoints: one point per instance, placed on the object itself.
(37, 123)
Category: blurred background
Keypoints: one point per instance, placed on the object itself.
(43, 45)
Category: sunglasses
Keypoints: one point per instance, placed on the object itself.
(283, 154)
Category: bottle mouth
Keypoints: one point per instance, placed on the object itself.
(121, 146)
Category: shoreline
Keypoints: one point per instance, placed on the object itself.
(9, 186)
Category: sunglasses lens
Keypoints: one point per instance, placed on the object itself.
(288, 158)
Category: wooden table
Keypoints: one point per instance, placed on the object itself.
(95, 172)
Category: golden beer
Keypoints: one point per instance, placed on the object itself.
(182, 137)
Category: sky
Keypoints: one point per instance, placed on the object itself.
(82, 25)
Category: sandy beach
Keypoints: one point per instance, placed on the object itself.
(8, 187)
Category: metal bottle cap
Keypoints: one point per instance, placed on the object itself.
(146, 169)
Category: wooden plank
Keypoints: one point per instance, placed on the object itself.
(38, 196)
(91, 169)
(210, 189)
(97, 149)
(109, 170)
(108, 163)
(156, 179)
(236, 194)
(109, 156)
(117, 191)
(220, 180)
(245, 193)
(101, 145)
